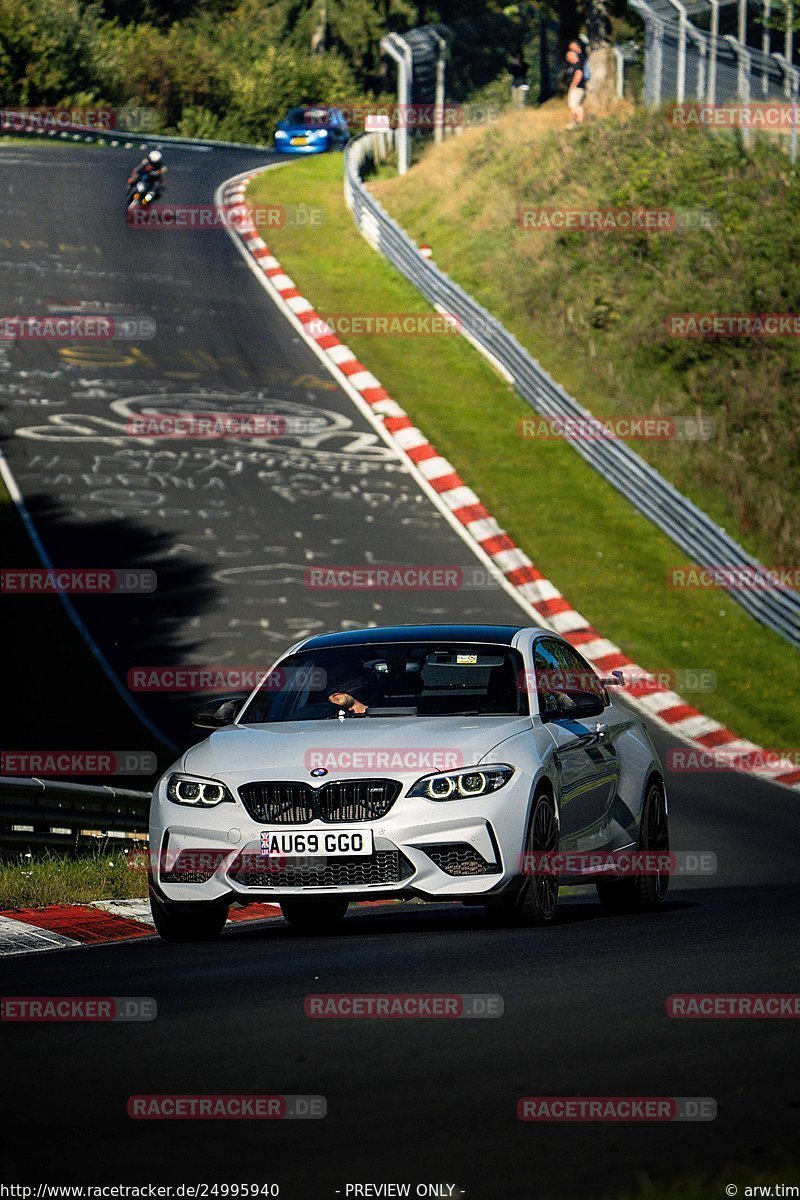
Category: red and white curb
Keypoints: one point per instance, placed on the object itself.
(539, 598)
(59, 926)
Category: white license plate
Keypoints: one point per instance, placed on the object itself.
(319, 843)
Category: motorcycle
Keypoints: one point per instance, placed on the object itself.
(142, 194)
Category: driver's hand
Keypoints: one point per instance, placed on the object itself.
(349, 703)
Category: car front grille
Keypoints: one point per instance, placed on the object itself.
(290, 803)
(460, 858)
(381, 867)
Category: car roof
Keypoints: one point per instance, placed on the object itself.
(326, 108)
(497, 635)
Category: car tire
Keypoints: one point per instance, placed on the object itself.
(535, 901)
(200, 922)
(314, 916)
(642, 893)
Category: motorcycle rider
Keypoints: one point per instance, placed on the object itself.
(151, 169)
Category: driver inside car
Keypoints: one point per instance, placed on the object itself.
(346, 696)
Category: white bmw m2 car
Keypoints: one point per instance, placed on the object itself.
(483, 764)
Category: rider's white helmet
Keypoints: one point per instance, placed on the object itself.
(155, 156)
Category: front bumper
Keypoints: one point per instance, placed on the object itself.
(435, 850)
(309, 148)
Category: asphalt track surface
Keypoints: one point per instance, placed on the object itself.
(418, 1101)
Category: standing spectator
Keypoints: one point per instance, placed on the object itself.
(576, 87)
(581, 48)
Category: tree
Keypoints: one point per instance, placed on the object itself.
(598, 24)
(601, 90)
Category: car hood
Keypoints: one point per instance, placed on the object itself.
(372, 745)
(302, 130)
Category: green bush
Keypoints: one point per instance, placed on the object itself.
(45, 50)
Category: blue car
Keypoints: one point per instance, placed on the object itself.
(312, 130)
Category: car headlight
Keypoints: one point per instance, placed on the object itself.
(200, 793)
(463, 784)
(280, 133)
(320, 133)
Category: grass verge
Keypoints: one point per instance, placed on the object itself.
(104, 874)
(606, 558)
(592, 305)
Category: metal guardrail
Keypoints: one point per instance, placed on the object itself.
(777, 607)
(44, 813)
(83, 133)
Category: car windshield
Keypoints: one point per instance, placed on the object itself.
(307, 116)
(426, 679)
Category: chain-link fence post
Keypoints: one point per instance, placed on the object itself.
(699, 41)
(793, 148)
(765, 43)
(791, 87)
(743, 78)
(712, 65)
(658, 62)
(683, 30)
(743, 73)
(788, 48)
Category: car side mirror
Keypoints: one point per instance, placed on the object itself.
(218, 712)
(587, 704)
(584, 704)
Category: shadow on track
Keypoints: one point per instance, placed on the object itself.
(55, 695)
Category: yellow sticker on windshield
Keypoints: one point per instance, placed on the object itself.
(466, 660)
